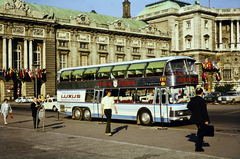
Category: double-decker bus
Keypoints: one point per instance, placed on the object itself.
(147, 91)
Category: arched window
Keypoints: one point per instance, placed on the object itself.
(17, 56)
(37, 56)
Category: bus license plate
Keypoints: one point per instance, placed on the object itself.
(224, 102)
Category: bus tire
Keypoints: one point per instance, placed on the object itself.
(87, 114)
(145, 118)
(78, 113)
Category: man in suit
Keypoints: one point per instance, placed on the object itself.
(34, 107)
(199, 116)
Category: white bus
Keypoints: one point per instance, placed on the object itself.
(147, 91)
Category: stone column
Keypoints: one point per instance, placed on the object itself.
(44, 55)
(4, 52)
(220, 35)
(238, 43)
(232, 39)
(25, 54)
(10, 53)
(30, 54)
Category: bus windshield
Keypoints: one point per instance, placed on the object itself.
(176, 67)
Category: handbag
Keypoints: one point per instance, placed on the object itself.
(208, 130)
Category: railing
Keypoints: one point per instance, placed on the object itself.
(102, 25)
(63, 20)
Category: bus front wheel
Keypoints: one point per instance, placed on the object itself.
(145, 118)
(87, 114)
(77, 113)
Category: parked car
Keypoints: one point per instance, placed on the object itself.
(50, 103)
(230, 97)
(30, 99)
(21, 100)
(213, 97)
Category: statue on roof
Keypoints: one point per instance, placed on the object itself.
(197, 2)
(50, 16)
(17, 5)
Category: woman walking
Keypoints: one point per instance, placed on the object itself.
(5, 110)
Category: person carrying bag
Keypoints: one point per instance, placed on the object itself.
(200, 117)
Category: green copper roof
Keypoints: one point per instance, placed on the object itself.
(159, 6)
(66, 13)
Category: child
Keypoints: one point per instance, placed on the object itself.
(5, 110)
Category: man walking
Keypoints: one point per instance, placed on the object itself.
(199, 116)
(34, 106)
(107, 104)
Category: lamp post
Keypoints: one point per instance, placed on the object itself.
(36, 73)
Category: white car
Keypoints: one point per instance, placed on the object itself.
(30, 99)
(230, 97)
(21, 100)
(50, 103)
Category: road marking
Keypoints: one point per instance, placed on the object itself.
(231, 112)
(119, 142)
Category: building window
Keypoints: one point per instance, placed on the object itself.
(120, 59)
(37, 56)
(102, 59)
(102, 47)
(136, 58)
(227, 74)
(164, 52)
(83, 45)
(188, 43)
(120, 48)
(63, 61)
(206, 23)
(150, 51)
(63, 43)
(206, 43)
(188, 24)
(17, 56)
(136, 50)
(84, 59)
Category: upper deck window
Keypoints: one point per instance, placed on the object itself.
(77, 75)
(176, 67)
(136, 70)
(155, 68)
(103, 73)
(119, 71)
(90, 74)
(65, 76)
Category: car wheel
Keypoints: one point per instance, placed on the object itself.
(215, 101)
(87, 114)
(54, 108)
(145, 118)
(233, 102)
(77, 113)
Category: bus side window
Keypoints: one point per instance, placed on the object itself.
(127, 95)
(119, 71)
(65, 76)
(136, 70)
(89, 96)
(155, 68)
(90, 74)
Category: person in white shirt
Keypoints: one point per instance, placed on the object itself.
(107, 104)
(5, 110)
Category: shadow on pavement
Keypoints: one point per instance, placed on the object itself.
(116, 130)
(55, 126)
(22, 121)
(193, 138)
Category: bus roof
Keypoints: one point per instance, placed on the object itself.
(167, 59)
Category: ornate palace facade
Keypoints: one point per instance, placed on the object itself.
(47, 38)
(206, 34)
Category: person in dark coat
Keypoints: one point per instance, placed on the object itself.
(34, 107)
(199, 116)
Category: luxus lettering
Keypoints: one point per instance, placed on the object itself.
(71, 96)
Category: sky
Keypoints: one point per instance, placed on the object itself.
(114, 7)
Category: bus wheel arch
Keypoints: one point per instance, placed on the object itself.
(144, 117)
(87, 115)
(77, 113)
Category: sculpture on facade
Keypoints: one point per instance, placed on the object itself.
(17, 5)
(197, 2)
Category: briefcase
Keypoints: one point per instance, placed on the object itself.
(208, 130)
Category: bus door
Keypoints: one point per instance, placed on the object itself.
(162, 97)
(97, 99)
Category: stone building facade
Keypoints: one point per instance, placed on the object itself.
(41, 37)
(206, 34)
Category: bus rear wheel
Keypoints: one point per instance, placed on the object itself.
(87, 114)
(77, 113)
(146, 118)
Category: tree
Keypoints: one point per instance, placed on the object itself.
(224, 89)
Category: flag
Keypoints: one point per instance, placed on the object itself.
(218, 76)
(25, 73)
(10, 73)
(7, 75)
(17, 73)
(30, 73)
(20, 73)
